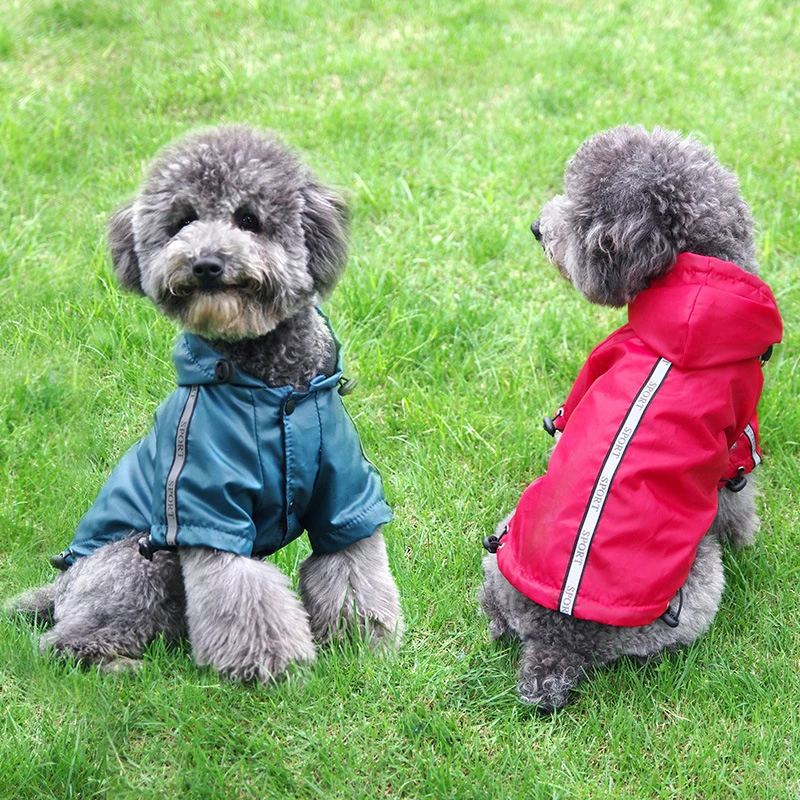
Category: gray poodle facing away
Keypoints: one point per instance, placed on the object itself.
(633, 202)
(231, 236)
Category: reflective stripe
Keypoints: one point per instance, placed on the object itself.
(178, 462)
(602, 486)
(751, 435)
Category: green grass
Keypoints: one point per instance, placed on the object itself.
(448, 125)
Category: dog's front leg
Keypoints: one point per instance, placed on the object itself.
(243, 618)
(353, 590)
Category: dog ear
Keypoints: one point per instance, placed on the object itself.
(123, 253)
(325, 222)
(622, 256)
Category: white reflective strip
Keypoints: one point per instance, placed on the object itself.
(179, 459)
(751, 435)
(601, 488)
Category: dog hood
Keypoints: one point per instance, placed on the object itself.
(661, 416)
(705, 312)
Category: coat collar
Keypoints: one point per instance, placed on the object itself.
(198, 363)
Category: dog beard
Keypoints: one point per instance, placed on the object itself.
(226, 315)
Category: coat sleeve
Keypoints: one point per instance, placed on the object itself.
(123, 504)
(745, 453)
(349, 503)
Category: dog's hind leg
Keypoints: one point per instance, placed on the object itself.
(499, 625)
(109, 647)
(243, 619)
(503, 605)
(353, 591)
(35, 605)
(694, 607)
(736, 522)
(111, 604)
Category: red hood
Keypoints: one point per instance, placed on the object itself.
(706, 312)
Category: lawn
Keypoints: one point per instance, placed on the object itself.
(447, 126)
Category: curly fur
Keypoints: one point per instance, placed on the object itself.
(632, 201)
(234, 238)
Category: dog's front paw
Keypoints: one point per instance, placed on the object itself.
(383, 632)
(269, 662)
(373, 617)
(548, 675)
(250, 652)
(547, 691)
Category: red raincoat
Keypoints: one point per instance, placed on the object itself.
(662, 412)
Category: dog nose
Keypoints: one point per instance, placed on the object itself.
(208, 270)
(536, 230)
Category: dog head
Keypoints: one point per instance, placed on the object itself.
(633, 200)
(230, 234)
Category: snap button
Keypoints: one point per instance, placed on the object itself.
(223, 371)
(289, 406)
(290, 508)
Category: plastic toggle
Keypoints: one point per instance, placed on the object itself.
(347, 385)
(736, 484)
(223, 371)
(146, 548)
(60, 561)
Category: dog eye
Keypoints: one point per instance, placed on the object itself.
(186, 217)
(247, 221)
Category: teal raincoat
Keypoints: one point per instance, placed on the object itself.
(235, 465)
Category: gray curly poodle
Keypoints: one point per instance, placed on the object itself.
(233, 237)
(616, 550)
